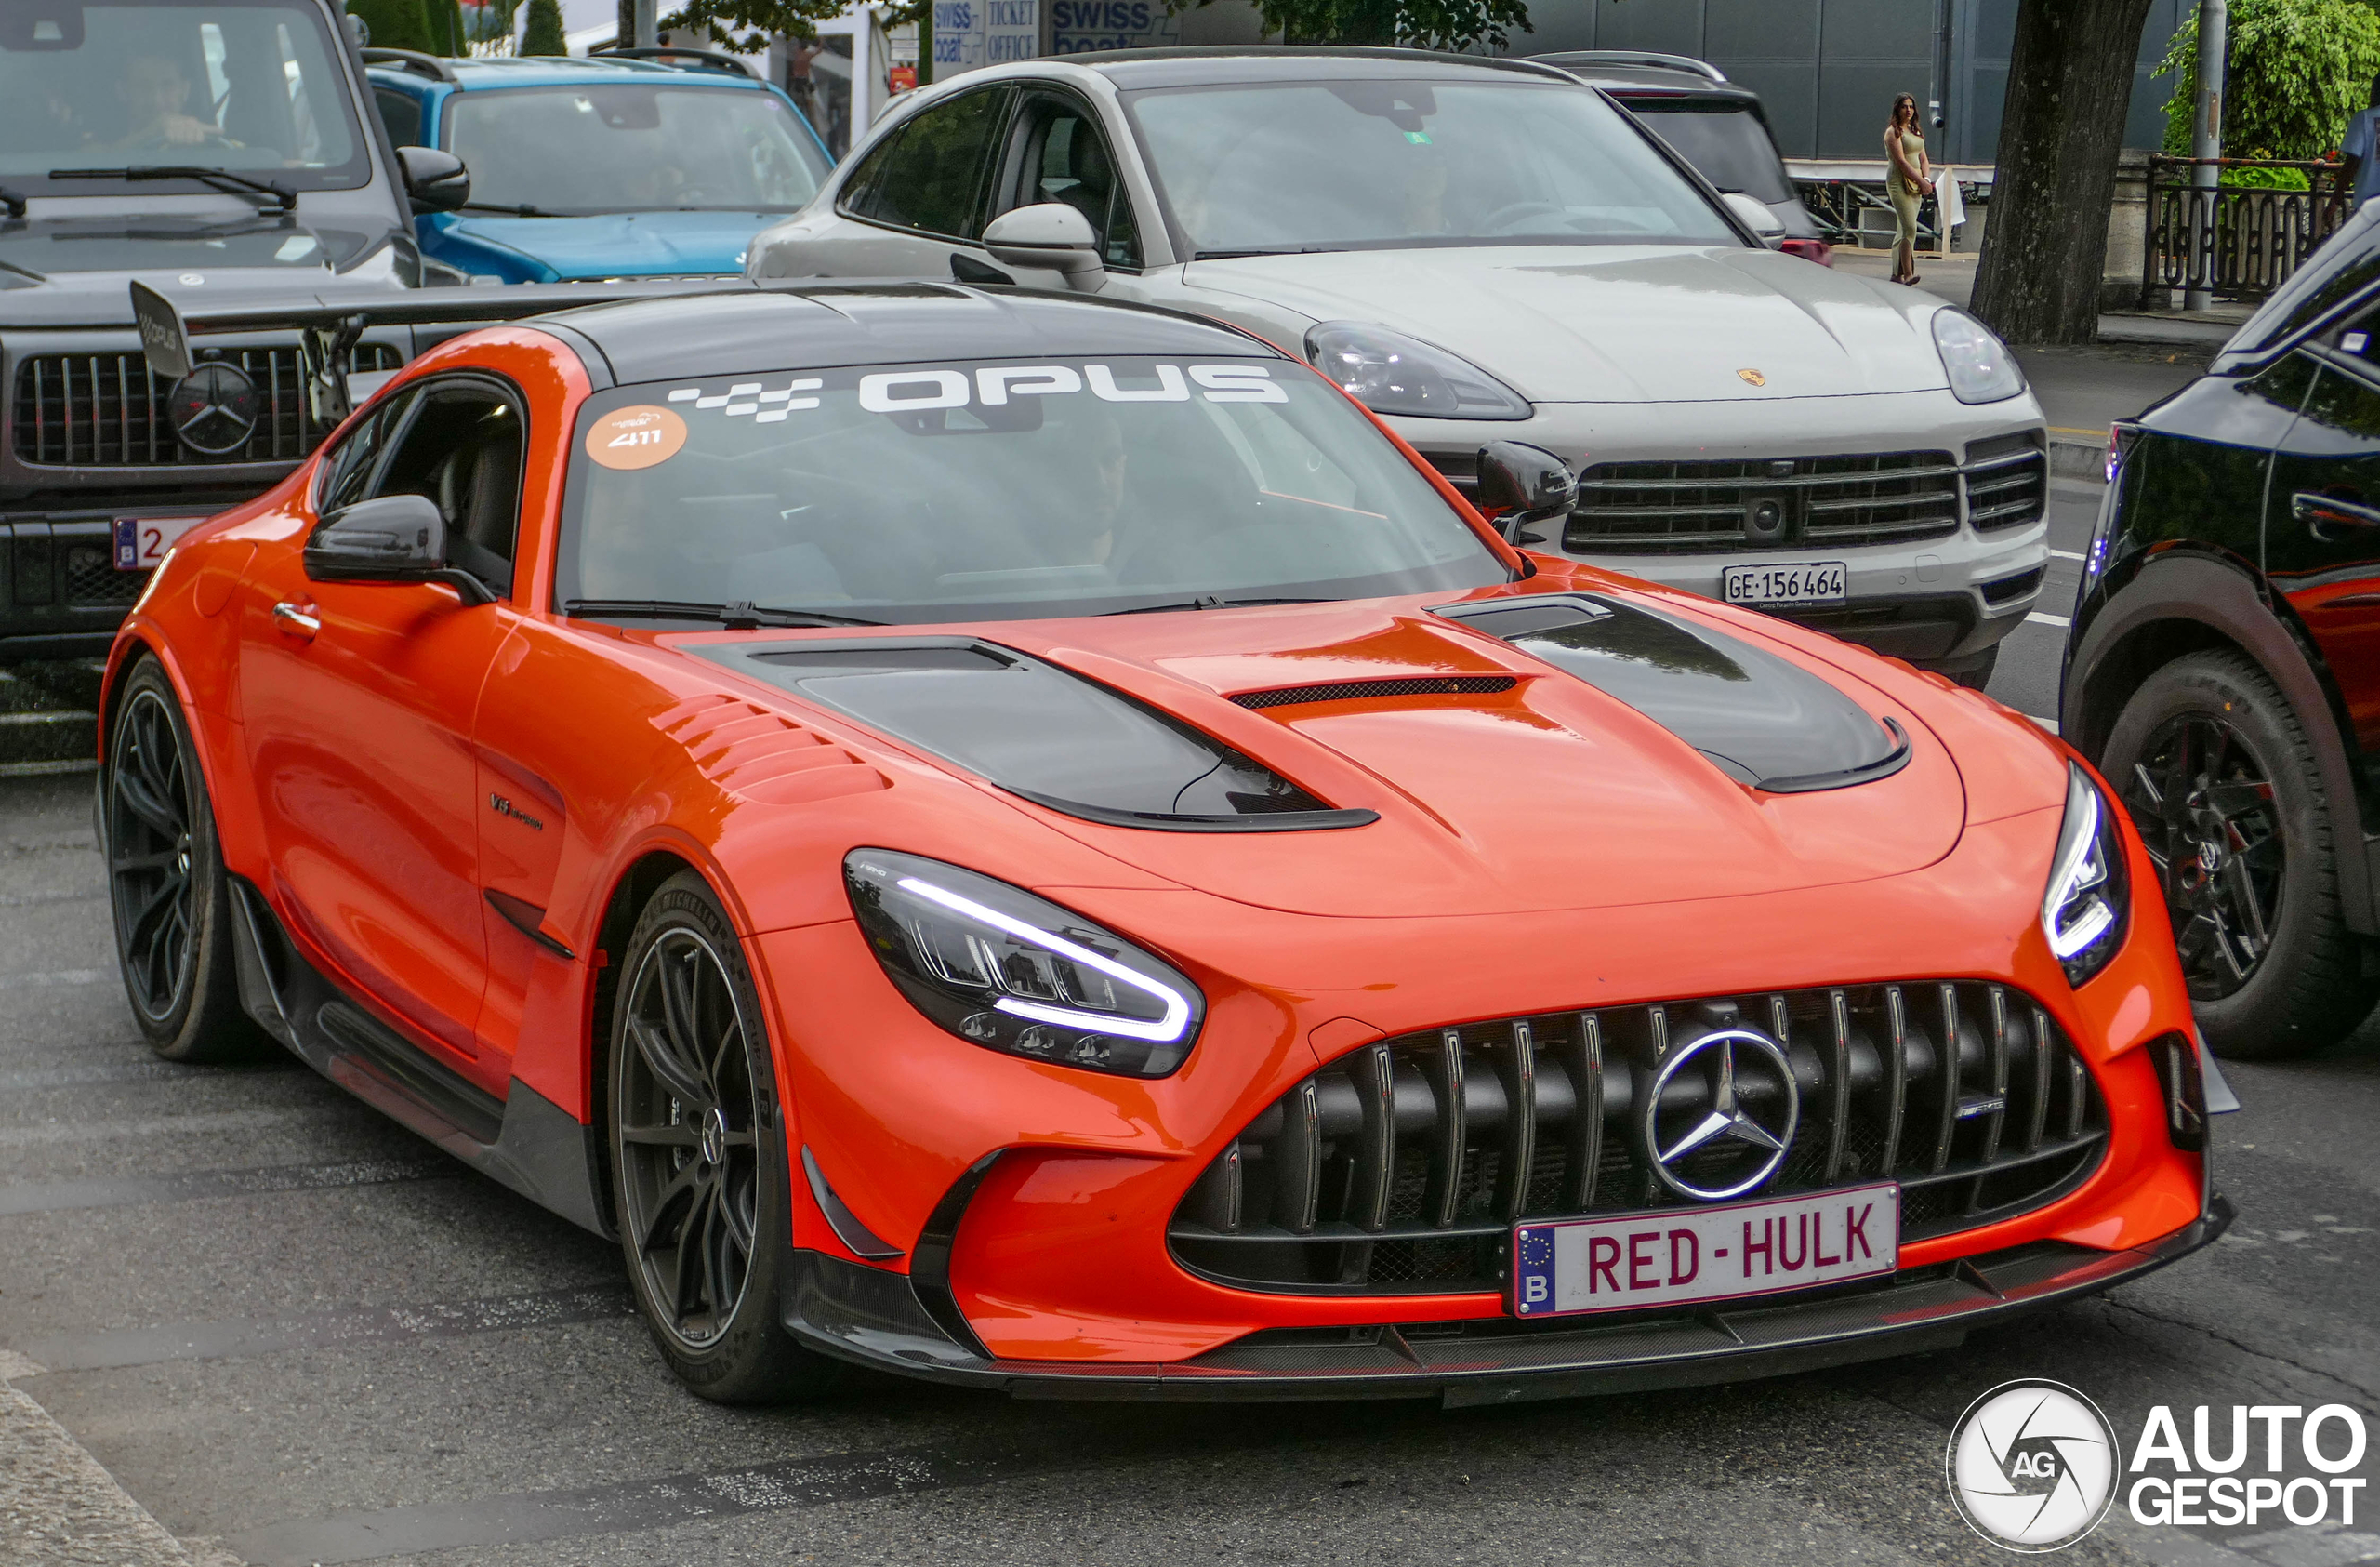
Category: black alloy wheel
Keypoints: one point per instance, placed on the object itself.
(2218, 774)
(167, 886)
(698, 1169)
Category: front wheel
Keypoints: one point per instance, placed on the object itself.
(2220, 778)
(698, 1164)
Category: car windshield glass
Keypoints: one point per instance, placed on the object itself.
(1005, 490)
(1387, 164)
(1725, 142)
(634, 148)
(248, 88)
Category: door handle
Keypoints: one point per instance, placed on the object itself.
(2322, 513)
(297, 618)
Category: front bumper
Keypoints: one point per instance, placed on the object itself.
(878, 1318)
(60, 595)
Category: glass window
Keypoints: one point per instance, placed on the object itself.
(250, 86)
(401, 111)
(928, 178)
(1062, 157)
(459, 442)
(348, 468)
(576, 150)
(1028, 488)
(1348, 165)
(1727, 144)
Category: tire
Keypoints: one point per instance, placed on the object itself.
(2219, 776)
(167, 890)
(700, 1179)
(1974, 673)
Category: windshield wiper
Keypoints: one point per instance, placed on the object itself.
(509, 210)
(734, 617)
(1267, 251)
(1209, 601)
(222, 180)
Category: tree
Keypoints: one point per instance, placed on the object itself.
(544, 33)
(2299, 70)
(1425, 24)
(397, 24)
(2070, 84)
(745, 26)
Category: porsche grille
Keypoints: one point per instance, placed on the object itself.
(1401, 1167)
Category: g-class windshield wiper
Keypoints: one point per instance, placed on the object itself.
(511, 209)
(222, 179)
(734, 617)
(1209, 601)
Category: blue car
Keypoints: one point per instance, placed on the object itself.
(600, 168)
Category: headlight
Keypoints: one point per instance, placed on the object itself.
(1015, 972)
(2083, 912)
(1390, 373)
(1981, 368)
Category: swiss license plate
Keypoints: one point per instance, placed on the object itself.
(1799, 582)
(1690, 1256)
(141, 542)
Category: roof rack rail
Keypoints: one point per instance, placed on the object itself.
(710, 59)
(1639, 57)
(414, 61)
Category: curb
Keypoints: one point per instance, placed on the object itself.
(2078, 459)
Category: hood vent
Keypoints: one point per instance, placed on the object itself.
(1371, 690)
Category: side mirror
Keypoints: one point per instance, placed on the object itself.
(1522, 483)
(391, 538)
(1051, 234)
(435, 181)
(1756, 215)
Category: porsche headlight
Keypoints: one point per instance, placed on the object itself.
(1981, 368)
(2085, 911)
(1390, 373)
(1015, 972)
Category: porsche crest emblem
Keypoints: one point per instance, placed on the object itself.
(1753, 377)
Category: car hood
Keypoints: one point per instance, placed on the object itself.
(625, 244)
(1490, 776)
(1619, 324)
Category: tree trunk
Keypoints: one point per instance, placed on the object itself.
(2070, 86)
(628, 23)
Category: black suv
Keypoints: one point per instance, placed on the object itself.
(2222, 668)
(208, 148)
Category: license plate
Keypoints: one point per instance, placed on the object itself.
(141, 542)
(1803, 582)
(1691, 1255)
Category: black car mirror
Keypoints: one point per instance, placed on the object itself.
(435, 181)
(388, 538)
(1522, 483)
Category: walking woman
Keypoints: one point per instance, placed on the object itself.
(1907, 179)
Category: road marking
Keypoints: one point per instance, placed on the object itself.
(2066, 554)
(213, 1341)
(55, 977)
(2059, 620)
(2048, 724)
(2100, 435)
(56, 1196)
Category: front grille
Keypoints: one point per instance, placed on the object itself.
(1401, 1168)
(1361, 690)
(108, 410)
(1759, 503)
(2007, 481)
(92, 579)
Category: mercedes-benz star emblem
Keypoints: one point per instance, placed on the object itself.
(212, 409)
(1736, 1132)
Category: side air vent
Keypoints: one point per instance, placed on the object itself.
(1368, 690)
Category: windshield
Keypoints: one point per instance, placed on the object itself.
(1349, 166)
(570, 151)
(252, 88)
(1004, 490)
(1726, 144)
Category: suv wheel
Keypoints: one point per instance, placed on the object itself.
(2219, 776)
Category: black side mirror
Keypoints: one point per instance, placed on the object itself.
(1522, 483)
(391, 538)
(435, 181)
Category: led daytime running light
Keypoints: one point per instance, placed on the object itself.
(2084, 903)
(1164, 1031)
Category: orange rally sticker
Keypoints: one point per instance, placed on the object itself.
(637, 437)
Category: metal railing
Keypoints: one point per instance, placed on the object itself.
(2240, 241)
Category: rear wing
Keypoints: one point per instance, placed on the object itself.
(330, 323)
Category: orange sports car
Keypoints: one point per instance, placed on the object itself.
(1030, 842)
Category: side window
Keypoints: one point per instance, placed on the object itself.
(2360, 340)
(349, 468)
(929, 175)
(462, 448)
(401, 111)
(1062, 156)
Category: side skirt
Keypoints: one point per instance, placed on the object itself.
(524, 1139)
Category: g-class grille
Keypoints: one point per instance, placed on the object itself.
(108, 410)
(1401, 1167)
(1693, 507)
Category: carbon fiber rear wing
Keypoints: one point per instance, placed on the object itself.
(329, 322)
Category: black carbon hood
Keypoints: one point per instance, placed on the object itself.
(1763, 721)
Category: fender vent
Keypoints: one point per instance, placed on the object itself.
(761, 756)
(1365, 690)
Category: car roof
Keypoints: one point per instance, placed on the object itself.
(1230, 64)
(480, 73)
(822, 324)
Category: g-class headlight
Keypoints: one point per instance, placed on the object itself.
(1015, 972)
(1981, 368)
(2085, 911)
(1390, 373)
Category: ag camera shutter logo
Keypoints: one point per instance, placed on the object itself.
(2032, 1466)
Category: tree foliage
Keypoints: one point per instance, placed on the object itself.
(1421, 24)
(544, 35)
(745, 26)
(2299, 70)
(432, 27)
